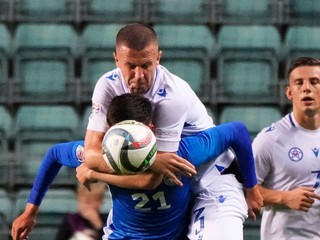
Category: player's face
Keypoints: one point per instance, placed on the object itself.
(138, 67)
(304, 90)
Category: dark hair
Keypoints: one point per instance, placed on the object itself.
(136, 36)
(303, 61)
(129, 106)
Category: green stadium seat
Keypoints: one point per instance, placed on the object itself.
(247, 11)
(37, 129)
(5, 210)
(247, 69)
(44, 10)
(187, 52)
(254, 117)
(181, 12)
(4, 10)
(113, 11)
(5, 136)
(301, 41)
(98, 42)
(44, 56)
(251, 229)
(302, 12)
(4, 56)
(54, 206)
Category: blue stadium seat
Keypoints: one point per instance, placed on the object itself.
(302, 41)
(4, 56)
(98, 42)
(44, 10)
(247, 11)
(248, 60)
(114, 11)
(37, 129)
(182, 11)
(187, 52)
(254, 117)
(44, 56)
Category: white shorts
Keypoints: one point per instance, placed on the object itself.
(219, 210)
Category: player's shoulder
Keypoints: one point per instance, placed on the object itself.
(275, 130)
(111, 77)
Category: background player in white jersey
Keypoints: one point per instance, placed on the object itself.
(178, 110)
(288, 161)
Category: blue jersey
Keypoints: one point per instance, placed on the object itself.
(160, 213)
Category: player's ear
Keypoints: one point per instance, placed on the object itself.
(289, 93)
(116, 59)
(159, 56)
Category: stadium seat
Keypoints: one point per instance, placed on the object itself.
(5, 213)
(37, 129)
(254, 117)
(5, 135)
(98, 42)
(54, 206)
(302, 12)
(4, 10)
(181, 11)
(187, 52)
(251, 229)
(4, 56)
(302, 41)
(247, 69)
(247, 11)
(44, 56)
(115, 11)
(44, 10)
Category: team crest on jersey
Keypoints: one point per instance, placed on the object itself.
(295, 154)
(169, 181)
(96, 109)
(80, 153)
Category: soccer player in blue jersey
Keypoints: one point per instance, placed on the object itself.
(160, 212)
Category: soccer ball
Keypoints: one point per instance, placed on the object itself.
(129, 147)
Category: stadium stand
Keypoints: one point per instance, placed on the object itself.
(44, 56)
(44, 11)
(188, 51)
(116, 11)
(255, 117)
(37, 129)
(98, 43)
(5, 214)
(4, 59)
(247, 64)
(301, 12)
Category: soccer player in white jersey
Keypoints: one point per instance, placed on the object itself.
(288, 161)
(178, 110)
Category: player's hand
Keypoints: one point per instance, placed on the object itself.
(83, 174)
(254, 201)
(23, 224)
(170, 164)
(300, 198)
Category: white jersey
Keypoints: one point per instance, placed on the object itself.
(178, 110)
(287, 157)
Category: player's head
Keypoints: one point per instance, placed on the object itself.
(129, 106)
(304, 86)
(137, 55)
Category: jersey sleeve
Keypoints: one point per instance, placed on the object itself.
(171, 116)
(212, 142)
(262, 152)
(68, 154)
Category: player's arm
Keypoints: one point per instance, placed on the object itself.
(57, 156)
(209, 144)
(300, 198)
(147, 180)
(93, 152)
